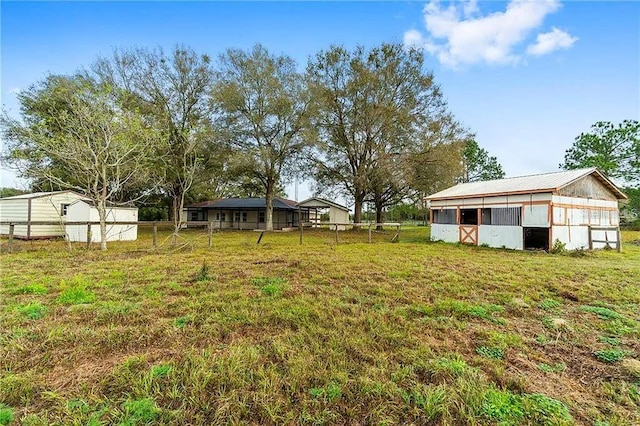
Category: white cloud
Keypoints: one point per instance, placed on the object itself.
(460, 35)
(553, 40)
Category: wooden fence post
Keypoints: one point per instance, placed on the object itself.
(300, 223)
(210, 231)
(155, 235)
(11, 230)
(88, 235)
(619, 237)
(369, 232)
(336, 233)
(590, 237)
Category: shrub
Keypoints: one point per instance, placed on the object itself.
(558, 247)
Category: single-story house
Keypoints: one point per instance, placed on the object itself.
(577, 207)
(250, 213)
(38, 206)
(85, 211)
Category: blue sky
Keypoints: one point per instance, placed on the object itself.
(526, 77)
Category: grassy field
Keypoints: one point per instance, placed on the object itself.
(319, 333)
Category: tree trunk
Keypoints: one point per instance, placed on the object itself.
(177, 207)
(102, 216)
(357, 214)
(269, 202)
(379, 214)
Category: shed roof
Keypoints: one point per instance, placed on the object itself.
(545, 182)
(246, 203)
(321, 203)
(40, 195)
(109, 204)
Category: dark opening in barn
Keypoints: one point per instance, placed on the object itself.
(536, 239)
(469, 216)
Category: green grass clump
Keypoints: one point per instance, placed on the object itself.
(430, 400)
(601, 312)
(182, 322)
(161, 370)
(6, 414)
(552, 368)
(139, 411)
(330, 392)
(76, 294)
(613, 341)
(610, 355)
(34, 310)
(270, 286)
(502, 407)
(31, 289)
(549, 304)
(542, 410)
(490, 352)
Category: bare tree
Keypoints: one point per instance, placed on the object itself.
(172, 91)
(79, 130)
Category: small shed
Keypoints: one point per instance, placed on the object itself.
(38, 206)
(577, 207)
(313, 207)
(85, 211)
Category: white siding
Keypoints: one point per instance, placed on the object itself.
(499, 236)
(14, 210)
(81, 212)
(536, 216)
(494, 201)
(338, 216)
(447, 233)
(574, 237)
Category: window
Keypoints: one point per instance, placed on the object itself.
(469, 216)
(237, 217)
(63, 209)
(223, 217)
(445, 216)
(194, 215)
(505, 216)
(244, 216)
(218, 216)
(261, 217)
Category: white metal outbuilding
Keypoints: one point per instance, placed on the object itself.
(85, 211)
(38, 206)
(577, 207)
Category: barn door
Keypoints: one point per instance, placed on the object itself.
(469, 234)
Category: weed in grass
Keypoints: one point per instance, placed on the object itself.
(76, 294)
(552, 368)
(270, 286)
(610, 355)
(453, 366)
(613, 341)
(504, 340)
(557, 247)
(139, 411)
(6, 414)
(549, 304)
(330, 392)
(601, 312)
(161, 370)
(34, 310)
(502, 407)
(542, 410)
(490, 352)
(203, 274)
(622, 327)
(182, 322)
(431, 400)
(31, 289)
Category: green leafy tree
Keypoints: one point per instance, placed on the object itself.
(172, 90)
(478, 165)
(262, 102)
(79, 137)
(613, 149)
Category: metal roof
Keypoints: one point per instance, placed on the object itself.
(317, 202)
(39, 195)
(546, 182)
(246, 203)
